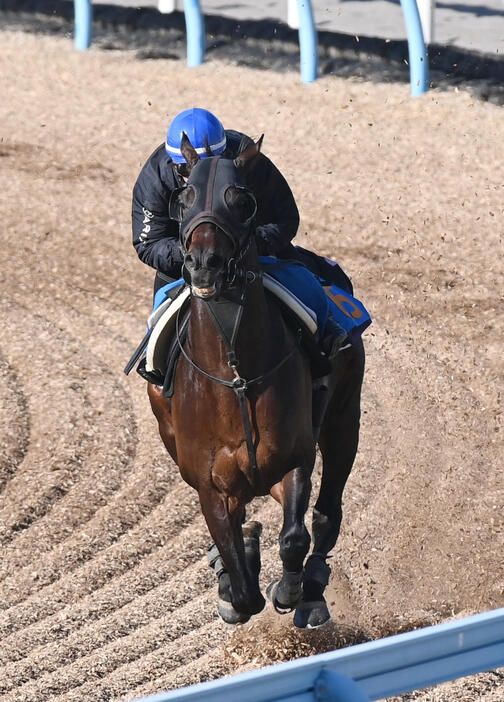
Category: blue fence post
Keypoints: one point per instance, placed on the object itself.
(83, 12)
(308, 43)
(195, 29)
(418, 58)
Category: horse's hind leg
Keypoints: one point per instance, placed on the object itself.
(338, 443)
(294, 538)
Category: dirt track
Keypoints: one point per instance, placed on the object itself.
(105, 593)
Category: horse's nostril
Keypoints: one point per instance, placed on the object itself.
(188, 259)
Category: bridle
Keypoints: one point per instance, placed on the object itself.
(210, 180)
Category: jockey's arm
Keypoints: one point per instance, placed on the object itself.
(155, 238)
(155, 235)
(277, 212)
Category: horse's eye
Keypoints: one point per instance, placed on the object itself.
(180, 201)
(241, 203)
(187, 197)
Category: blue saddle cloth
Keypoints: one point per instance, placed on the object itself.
(163, 291)
(329, 300)
(325, 301)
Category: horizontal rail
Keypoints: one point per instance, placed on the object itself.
(380, 668)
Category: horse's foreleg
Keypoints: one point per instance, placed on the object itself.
(239, 593)
(338, 444)
(294, 538)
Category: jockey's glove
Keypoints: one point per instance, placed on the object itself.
(265, 247)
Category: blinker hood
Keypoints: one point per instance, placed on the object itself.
(209, 181)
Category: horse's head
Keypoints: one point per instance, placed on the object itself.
(216, 212)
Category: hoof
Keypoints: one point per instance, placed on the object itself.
(229, 614)
(280, 608)
(311, 615)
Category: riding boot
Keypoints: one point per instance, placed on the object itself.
(334, 338)
(154, 376)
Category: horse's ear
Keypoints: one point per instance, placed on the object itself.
(188, 151)
(245, 159)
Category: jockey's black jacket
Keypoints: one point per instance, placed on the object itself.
(155, 235)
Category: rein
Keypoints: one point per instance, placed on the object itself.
(239, 385)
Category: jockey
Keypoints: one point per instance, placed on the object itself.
(156, 236)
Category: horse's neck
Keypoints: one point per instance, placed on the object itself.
(254, 338)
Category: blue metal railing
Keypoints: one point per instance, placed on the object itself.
(369, 671)
(418, 58)
(308, 43)
(195, 27)
(83, 24)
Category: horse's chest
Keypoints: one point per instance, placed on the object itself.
(231, 471)
(218, 448)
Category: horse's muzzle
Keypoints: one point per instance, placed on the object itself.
(204, 276)
(204, 293)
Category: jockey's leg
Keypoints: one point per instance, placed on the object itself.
(328, 271)
(334, 337)
(162, 279)
(155, 376)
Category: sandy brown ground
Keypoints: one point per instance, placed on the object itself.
(105, 593)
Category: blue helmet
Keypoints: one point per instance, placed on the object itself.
(201, 127)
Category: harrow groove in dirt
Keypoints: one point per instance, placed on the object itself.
(105, 592)
(72, 474)
(112, 560)
(15, 435)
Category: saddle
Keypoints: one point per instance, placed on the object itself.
(170, 330)
(336, 311)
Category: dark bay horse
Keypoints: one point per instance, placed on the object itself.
(240, 421)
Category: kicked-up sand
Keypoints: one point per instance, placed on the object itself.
(105, 593)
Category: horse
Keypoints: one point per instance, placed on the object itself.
(240, 423)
